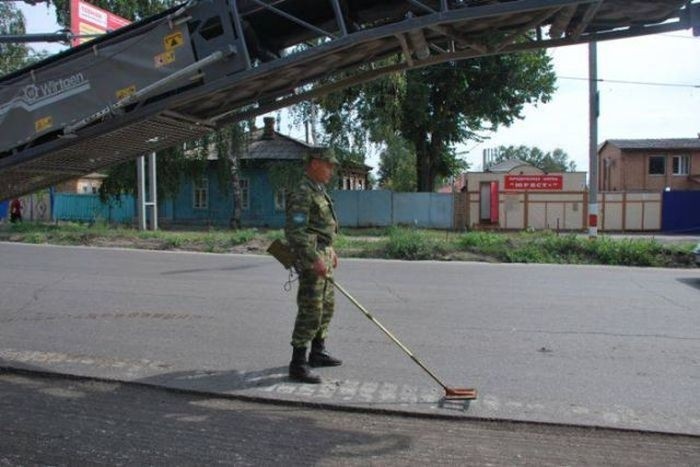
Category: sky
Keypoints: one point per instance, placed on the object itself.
(667, 107)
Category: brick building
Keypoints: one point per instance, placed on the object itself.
(649, 165)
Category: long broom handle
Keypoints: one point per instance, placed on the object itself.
(387, 332)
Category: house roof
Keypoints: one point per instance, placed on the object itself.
(658, 143)
(506, 166)
(279, 147)
(283, 147)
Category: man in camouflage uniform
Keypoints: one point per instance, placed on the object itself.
(310, 228)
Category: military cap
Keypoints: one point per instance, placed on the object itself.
(322, 153)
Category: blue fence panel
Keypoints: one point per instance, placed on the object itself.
(3, 208)
(681, 212)
(411, 209)
(374, 208)
(441, 210)
(380, 208)
(89, 208)
(430, 210)
(346, 207)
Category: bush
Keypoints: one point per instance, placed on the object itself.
(626, 252)
(484, 242)
(238, 237)
(412, 244)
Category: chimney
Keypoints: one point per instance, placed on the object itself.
(269, 129)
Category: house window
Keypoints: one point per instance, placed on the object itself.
(200, 194)
(280, 200)
(245, 193)
(681, 165)
(657, 165)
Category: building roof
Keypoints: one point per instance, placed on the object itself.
(266, 144)
(657, 143)
(506, 166)
(279, 147)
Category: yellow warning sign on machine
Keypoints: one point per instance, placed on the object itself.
(126, 92)
(173, 40)
(164, 59)
(43, 123)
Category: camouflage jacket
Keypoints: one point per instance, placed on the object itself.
(311, 222)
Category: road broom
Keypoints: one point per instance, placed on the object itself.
(450, 393)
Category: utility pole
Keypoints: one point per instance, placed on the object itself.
(593, 111)
(144, 205)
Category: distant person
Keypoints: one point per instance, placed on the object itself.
(15, 211)
(310, 228)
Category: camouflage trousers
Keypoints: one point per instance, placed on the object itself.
(315, 304)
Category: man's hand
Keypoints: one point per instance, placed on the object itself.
(320, 267)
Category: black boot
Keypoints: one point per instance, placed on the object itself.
(319, 356)
(299, 368)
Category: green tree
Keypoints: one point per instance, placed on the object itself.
(437, 107)
(397, 166)
(14, 56)
(553, 161)
(230, 146)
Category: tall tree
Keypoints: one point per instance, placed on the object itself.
(437, 107)
(14, 56)
(552, 161)
(397, 166)
(230, 146)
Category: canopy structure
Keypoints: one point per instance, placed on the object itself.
(175, 76)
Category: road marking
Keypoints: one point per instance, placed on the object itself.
(357, 391)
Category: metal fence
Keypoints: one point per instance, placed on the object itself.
(681, 212)
(89, 208)
(379, 208)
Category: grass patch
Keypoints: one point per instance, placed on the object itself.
(395, 243)
(547, 247)
(413, 244)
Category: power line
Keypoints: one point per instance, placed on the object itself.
(603, 80)
(642, 83)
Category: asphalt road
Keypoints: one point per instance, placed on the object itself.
(581, 345)
(56, 421)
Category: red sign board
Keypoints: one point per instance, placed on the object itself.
(534, 182)
(88, 19)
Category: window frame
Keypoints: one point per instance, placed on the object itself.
(200, 187)
(244, 184)
(649, 172)
(680, 158)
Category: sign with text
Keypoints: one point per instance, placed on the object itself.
(534, 182)
(86, 19)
